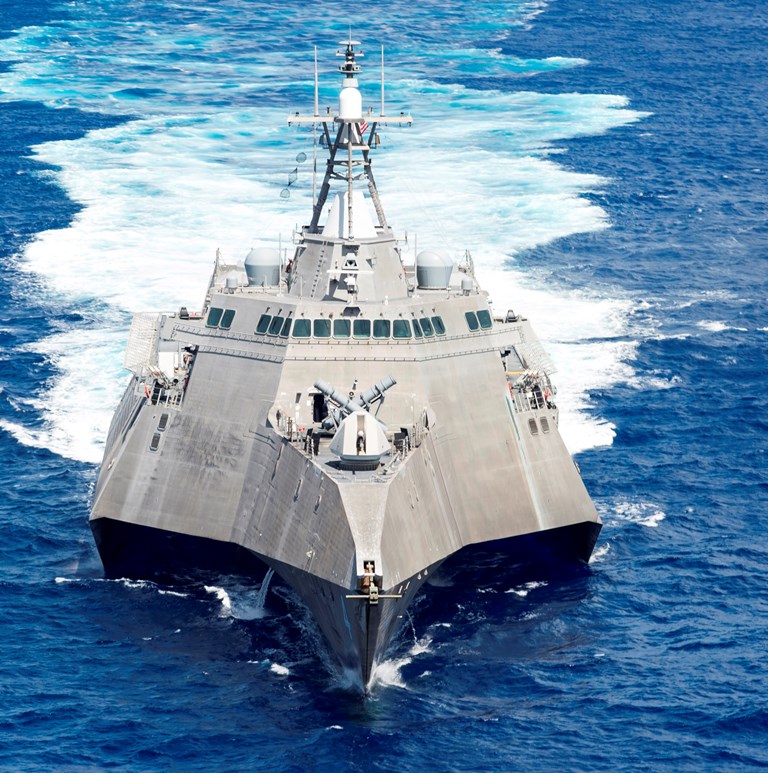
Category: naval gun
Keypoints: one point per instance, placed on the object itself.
(349, 405)
(359, 441)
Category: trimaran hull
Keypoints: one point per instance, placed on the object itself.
(345, 419)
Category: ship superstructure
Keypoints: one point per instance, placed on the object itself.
(344, 419)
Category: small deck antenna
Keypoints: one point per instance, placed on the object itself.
(314, 136)
(382, 80)
(317, 102)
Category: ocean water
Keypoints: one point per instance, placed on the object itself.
(605, 164)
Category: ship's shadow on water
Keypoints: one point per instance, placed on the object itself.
(212, 626)
(486, 608)
(481, 615)
(481, 618)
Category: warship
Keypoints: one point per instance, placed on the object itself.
(342, 419)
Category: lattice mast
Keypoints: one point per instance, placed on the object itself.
(348, 137)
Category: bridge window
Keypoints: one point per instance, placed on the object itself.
(214, 316)
(276, 326)
(381, 328)
(417, 329)
(426, 327)
(263, 324)
(302, 328)
(321, 328)
(471, 318)
(226, 319)
(286, 331)
(484, 317)
(439, 326)
(341, 328)
(401, 328)
(361, 328)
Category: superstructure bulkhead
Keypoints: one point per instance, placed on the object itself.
(343, 419)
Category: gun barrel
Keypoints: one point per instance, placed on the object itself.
(347, 405)
(375, 392)
(362, 401)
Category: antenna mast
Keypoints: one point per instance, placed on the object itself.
(314, 136)
(350, 128)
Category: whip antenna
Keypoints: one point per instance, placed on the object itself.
(317, 103)
(314, 136)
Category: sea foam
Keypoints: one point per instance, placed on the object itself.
(162, 192)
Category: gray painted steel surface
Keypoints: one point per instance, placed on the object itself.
(223, 435)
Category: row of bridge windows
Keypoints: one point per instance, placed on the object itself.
(350, 328)
(279, 326)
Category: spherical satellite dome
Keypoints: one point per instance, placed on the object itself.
(262, 266)
(433, 270)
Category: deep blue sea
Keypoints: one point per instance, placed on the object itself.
(606, 165)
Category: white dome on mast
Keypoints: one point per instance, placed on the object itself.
(350, 102)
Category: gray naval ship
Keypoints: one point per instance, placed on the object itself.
(343, 419)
